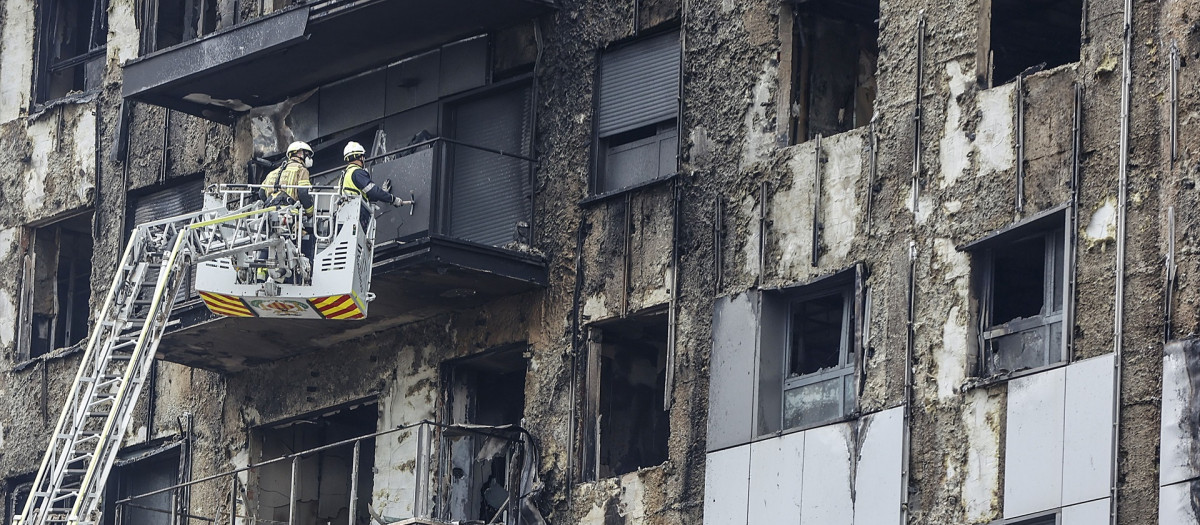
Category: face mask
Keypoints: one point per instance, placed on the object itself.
(308, 162)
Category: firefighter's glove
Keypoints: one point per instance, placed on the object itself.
(398, 202)
(387, 185)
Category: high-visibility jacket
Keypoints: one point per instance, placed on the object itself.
(357, 181)
(291, 174)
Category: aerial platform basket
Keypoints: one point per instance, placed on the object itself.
(278, 280)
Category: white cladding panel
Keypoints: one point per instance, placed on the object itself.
(826, 497)
(1090, 513)
(776, 468)
(726, 475)
(877, 482)
(1034, 443)
(1175, 504)
(1175, 463)
(1088, 430)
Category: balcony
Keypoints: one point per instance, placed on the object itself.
(464, 243)
(263, 62)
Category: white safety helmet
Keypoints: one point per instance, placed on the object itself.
(353, 148)
(300, 145)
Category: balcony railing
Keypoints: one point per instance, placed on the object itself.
(434, 480)
(467, 192)
(464, 243)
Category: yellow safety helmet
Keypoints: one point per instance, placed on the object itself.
(352, 148)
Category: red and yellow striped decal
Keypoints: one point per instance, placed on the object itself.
(227, 305)
(337, 307)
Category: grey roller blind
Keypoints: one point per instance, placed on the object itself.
(170, 202)
(489, 192)
(176, 200)
(639, 85)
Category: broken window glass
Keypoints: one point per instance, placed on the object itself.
(819, 379)
(1020, 276)
(72, 40)
(56, 286)
(1030, 36)
(626, 389)
(637, 139)
(834, 53)
(488, 389)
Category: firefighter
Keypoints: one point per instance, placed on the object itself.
(294, 172)
(356, 180)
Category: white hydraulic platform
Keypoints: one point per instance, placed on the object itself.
(251, 263)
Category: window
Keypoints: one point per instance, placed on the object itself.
(1019, 283)
(1051, 519)
(638, 103)
(139, 473)
(819, 374)
(56, 286)
(323, 493)
(809, 341)
(488, 389)
(16, 492)
(178, 199)
(626, 423)
(834, 54)
(1028, 34)
(71, 44)
(176, 21)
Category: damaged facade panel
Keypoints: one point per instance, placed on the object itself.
(837, 261)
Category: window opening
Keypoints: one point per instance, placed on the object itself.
(324, 481)
(176, 22)
(626, 376)
(1021, 283)
(834, 52)
(71, 48)
(140, 476)
(57, 286)
(17, 492)
(638, 102)
(819, 378)
(485, 390)
(180, 198)
(1031, 34)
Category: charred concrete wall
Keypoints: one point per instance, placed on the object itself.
(945, 161)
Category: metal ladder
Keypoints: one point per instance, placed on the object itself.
(98, 409)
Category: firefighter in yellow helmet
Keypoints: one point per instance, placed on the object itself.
(356, 180)
(294, 172)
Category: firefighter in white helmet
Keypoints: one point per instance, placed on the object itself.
(293, 172)
(356, 180)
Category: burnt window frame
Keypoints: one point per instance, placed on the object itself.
(795, 97)
(196, 18)
(666, 129)
(985, 55)
(16, 486)
(50, 34)
(591, 445)
(259, 435)
(29, 280)
(1052, 226)
(154, 454)
(1052, 517)
(776, 342)
(844, 370)
(188, 295)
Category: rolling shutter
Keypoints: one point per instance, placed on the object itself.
(639, 85)
(176, 200)
(489, 192)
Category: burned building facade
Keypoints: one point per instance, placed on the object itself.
(765, 261)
